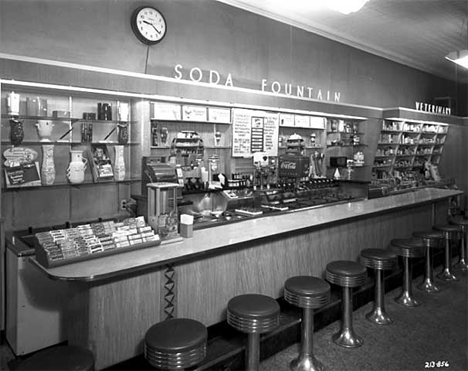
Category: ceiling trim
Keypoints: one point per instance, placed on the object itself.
(357, 44)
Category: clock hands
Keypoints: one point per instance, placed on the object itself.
(152, 25)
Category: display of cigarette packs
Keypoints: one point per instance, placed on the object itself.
(94, 240)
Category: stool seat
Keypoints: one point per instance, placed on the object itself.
(379, 259)
(408, 247)
(63, 358)
(176, 335)
(176, 343)
(306, 291)
(253, 313)
(459, 220)
(448, 228)
(429, 235)
(346, 273)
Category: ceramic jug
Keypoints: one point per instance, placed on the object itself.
(119, 163)
(48, 166)
(16, 132)
(77, 167)
(44, 130)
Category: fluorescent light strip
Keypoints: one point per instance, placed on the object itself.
(459, 57)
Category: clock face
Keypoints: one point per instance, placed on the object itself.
(149, 25)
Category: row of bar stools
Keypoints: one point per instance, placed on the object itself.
(347, 274)
(463, 224)
(450, 232)
(253, 314)
(379, 260)
(431, 240)
(308, 293)
(176, 344)
(408, 248)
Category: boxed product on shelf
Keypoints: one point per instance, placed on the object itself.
(89, 241)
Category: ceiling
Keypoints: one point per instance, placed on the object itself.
(417, 33)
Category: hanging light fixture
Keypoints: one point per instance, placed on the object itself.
(346, 6)
(459, 57)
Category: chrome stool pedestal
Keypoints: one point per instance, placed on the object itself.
(449, 231)
(253, 314)
(346, 274)
(431, 240)
(407, 248)
(175, 344)
(379, 260)
(462, 264)
(308, 293)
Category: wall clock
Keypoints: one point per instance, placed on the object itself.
(148, 25)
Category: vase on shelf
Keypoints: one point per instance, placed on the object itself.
(44, 130)
(119, 163)
(16, 132)
(77, 167)
(48, 166)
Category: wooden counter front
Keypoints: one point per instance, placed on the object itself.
(117, 298)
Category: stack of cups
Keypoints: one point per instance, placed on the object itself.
(186, 225)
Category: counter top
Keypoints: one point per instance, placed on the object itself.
(208, 240)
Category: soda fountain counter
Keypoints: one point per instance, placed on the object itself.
(197, 276)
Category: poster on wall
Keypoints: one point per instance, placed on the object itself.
(254, 131)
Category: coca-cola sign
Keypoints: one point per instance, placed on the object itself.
(288, 165)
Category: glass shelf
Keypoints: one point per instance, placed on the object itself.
(68, 184)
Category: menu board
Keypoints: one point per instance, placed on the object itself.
(254, 131)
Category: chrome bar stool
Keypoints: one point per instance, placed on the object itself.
(449, 231)
(253, 314)
(347, 274)
(463, 224)
(407, 248)
(308, 293)
(176, 344)
(379, 260)
(431, 240)
(63, 358)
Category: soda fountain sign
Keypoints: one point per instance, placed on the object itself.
(213, 77)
